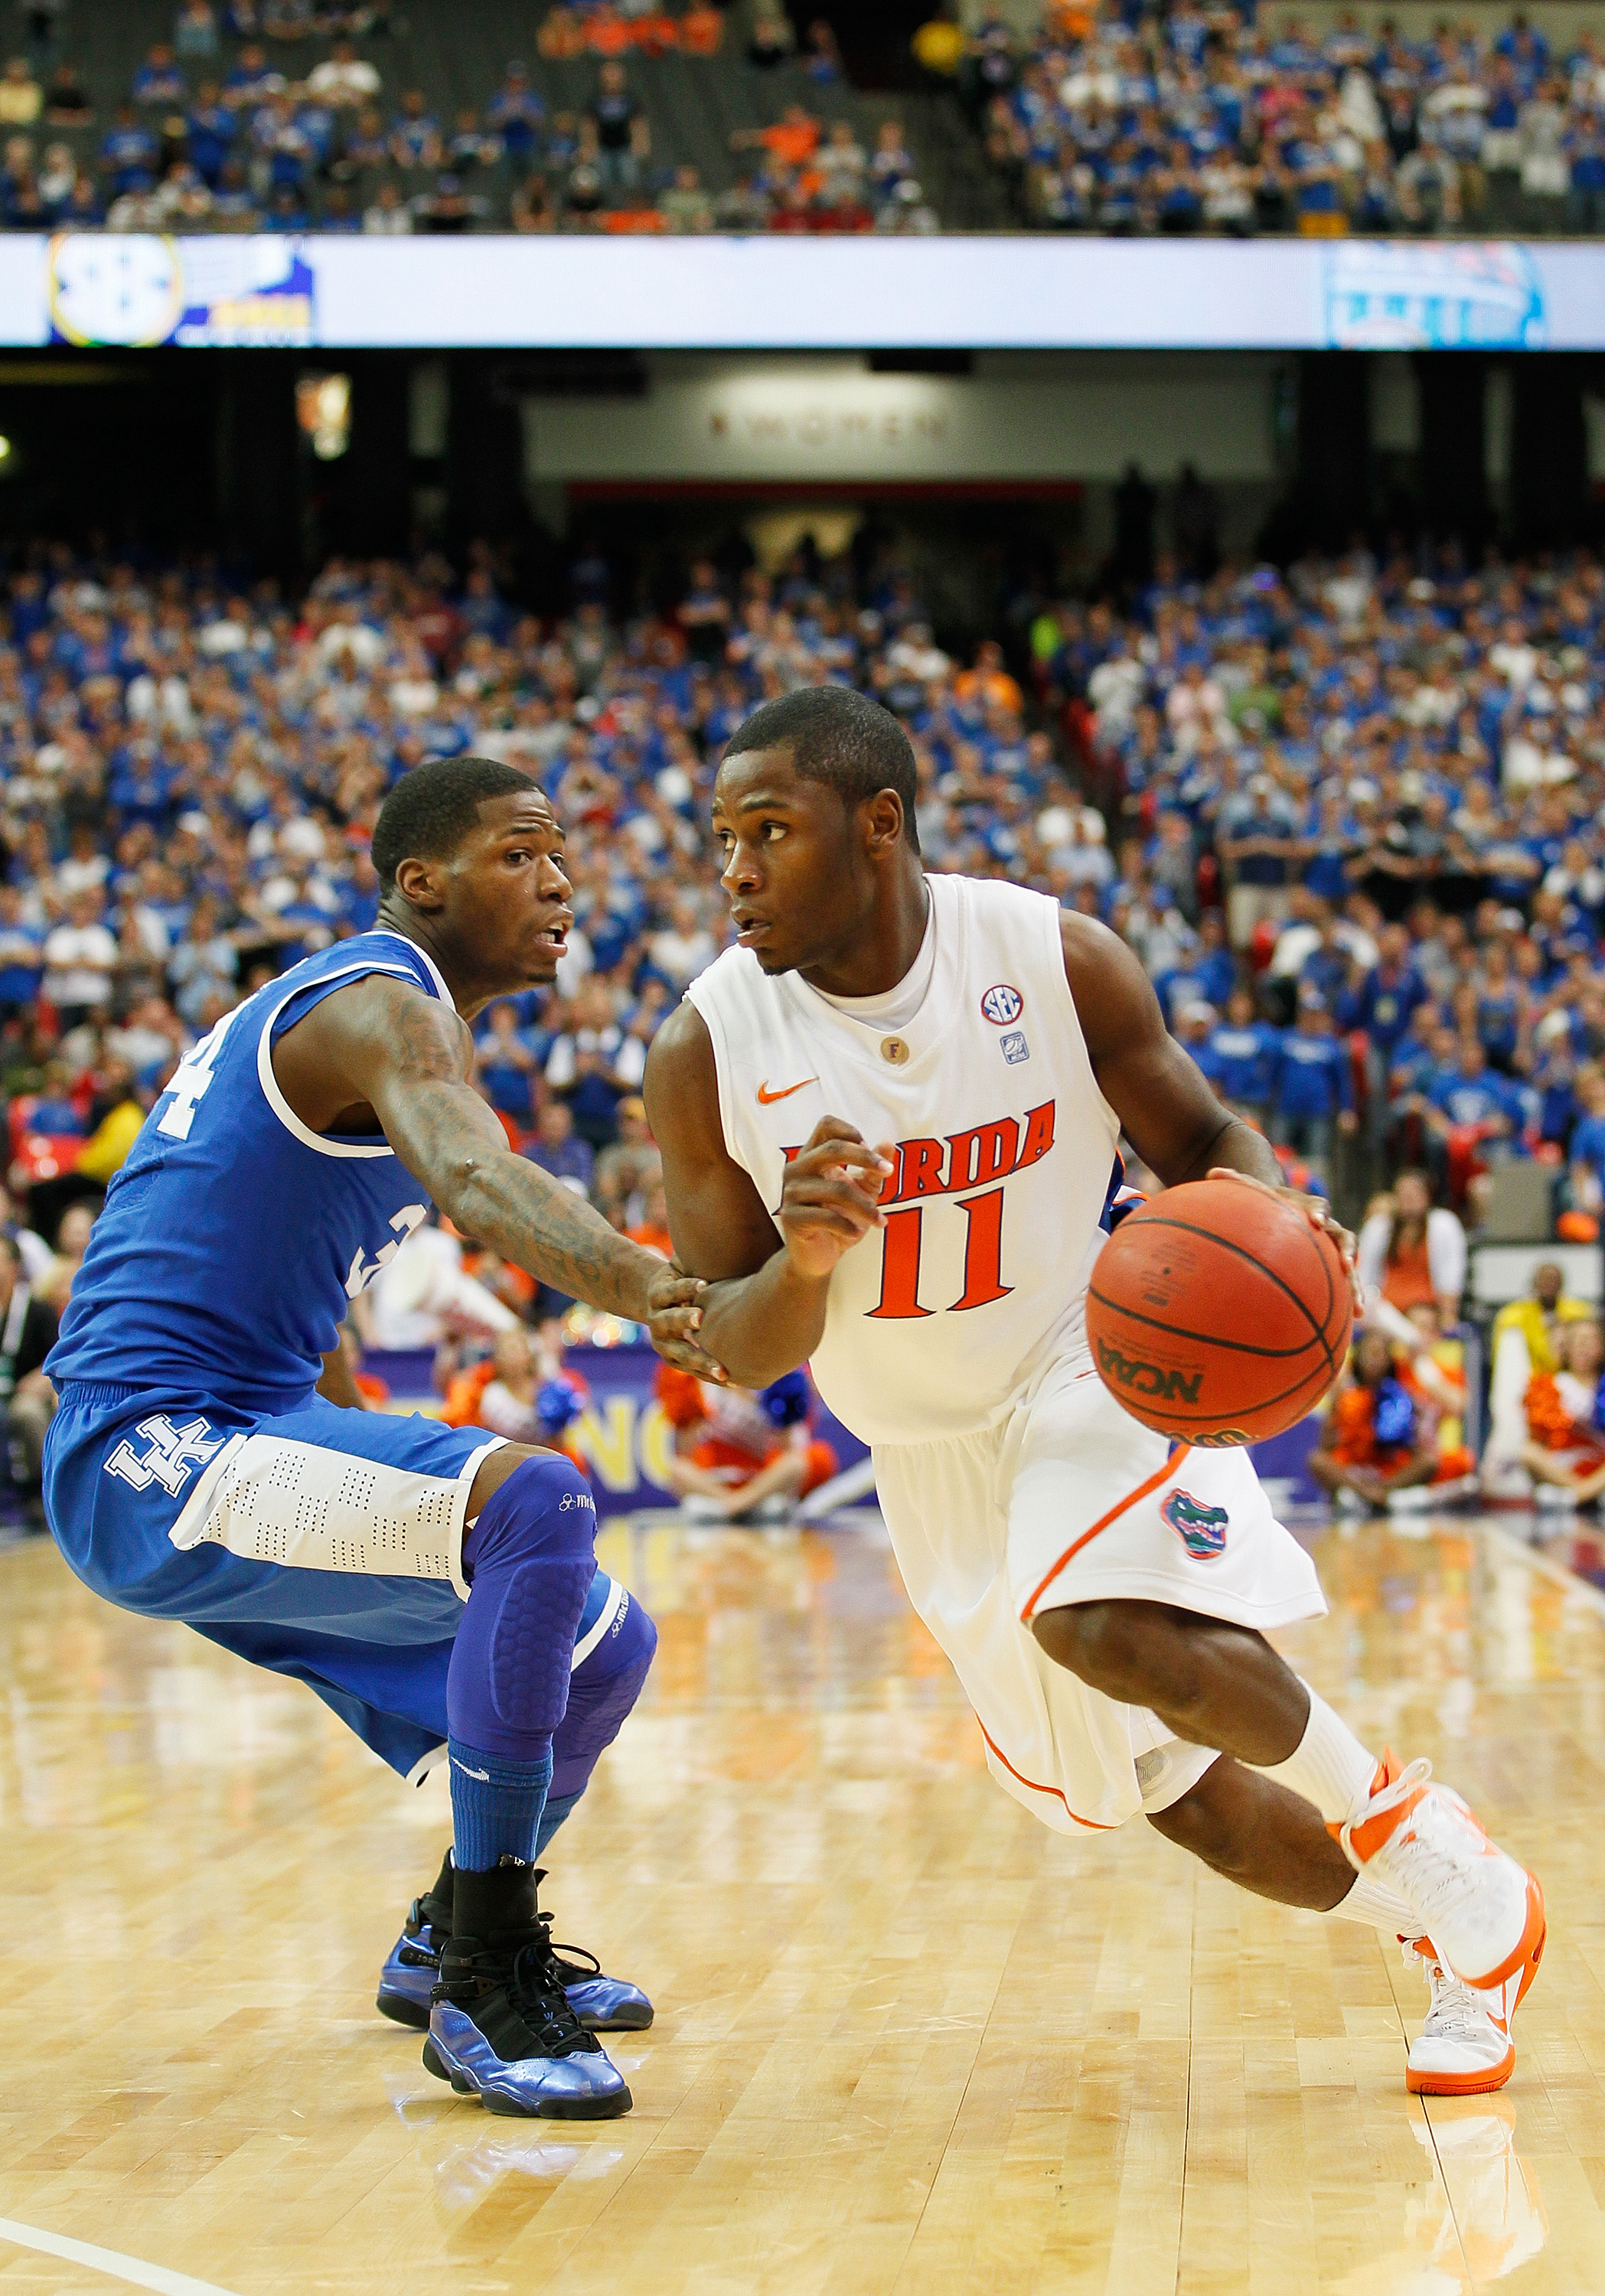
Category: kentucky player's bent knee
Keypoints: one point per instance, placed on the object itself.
(529, 1561)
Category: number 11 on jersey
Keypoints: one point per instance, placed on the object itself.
(901, 1239)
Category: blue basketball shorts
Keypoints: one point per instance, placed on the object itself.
(320, 1542)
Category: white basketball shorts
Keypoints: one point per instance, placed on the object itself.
(1067, 1499)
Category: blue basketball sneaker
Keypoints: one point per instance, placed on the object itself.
(500, 2028)
(602, 2004)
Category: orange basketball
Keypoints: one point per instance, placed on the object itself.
(1217, 1315)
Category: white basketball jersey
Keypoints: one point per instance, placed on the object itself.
(1005, 1149)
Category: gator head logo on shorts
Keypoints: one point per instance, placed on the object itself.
(1201, 1529)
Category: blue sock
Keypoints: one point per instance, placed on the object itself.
(558, 1806)
(496, 1807)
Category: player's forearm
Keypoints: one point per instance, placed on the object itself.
(554, 1234)
(1236, 1147)
(447, 1136)
(761, 1326)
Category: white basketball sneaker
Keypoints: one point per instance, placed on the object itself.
(1464, 2048)
(1484, 1910)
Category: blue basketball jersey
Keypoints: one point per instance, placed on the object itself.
(234, 1239)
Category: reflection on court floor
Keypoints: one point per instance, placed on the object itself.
(906, 2041)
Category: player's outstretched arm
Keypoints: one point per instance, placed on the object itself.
(407, 1057)
(1164, 1103)
(765, 1312)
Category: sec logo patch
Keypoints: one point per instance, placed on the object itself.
(1002, 1004)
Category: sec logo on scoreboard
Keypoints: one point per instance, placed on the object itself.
(1002, 1004)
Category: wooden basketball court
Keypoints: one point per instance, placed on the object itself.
(907, 2040)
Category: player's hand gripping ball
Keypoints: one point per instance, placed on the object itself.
(1220, 1313)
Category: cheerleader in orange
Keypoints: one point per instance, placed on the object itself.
(740, 1455)
(1565, 1452)
(1376, 1441)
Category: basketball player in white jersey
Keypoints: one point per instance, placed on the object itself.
(1102, 1593)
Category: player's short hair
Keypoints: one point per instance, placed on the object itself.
(431, 810)
(839, 735)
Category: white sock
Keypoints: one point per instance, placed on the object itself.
(1378, 1907)
(1329, 1766)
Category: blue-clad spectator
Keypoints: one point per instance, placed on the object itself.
(1426, 1047)
(1501, 1003)
(128, 154)
(1193, 1026)
(1586, 1153)
(507, 1064)
(1243, 1051)
(516, 112)
(213, 128)
(1553, 1076)
(1380, 1005)
(593, 1063)
(1586, 151)
(1331, 842)
(21, 957)
(317, 122)
(1329, 964)
(195, 29)
(557, 1148)
(1205, 974)
(1467, 1093)
(1526, 49)
(1256, 837)
(1384, 1001)
(252, 80)
(1312, 1096)
(158, 81)
(415, 134)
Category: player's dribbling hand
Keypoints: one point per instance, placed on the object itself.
(674, 1317)
(1315, 1209)
(830, 1196)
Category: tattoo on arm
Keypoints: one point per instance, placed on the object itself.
(449, 1139)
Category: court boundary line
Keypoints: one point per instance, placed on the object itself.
(117, 2266)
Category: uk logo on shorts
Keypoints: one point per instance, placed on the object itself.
(170, 1458)
(1201, 1529)
(1002, 1004)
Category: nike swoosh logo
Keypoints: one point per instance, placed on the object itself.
(766, 1098)
(483, 1776)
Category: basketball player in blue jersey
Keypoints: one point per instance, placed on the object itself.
(436, 1587)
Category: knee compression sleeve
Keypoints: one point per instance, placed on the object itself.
(607, 1680)
(529, 1559)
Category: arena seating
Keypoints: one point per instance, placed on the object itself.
(1117, 118)
(456, 120)
(1114, 117)
(1346, 819)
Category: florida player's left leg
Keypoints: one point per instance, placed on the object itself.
(1147, 1572)
(1305, 1815)
(1219, 1683)
(1271, 1841)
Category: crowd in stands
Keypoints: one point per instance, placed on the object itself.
(1389, 778)
(1198, 116)
(290, 119)
(1347, 816)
